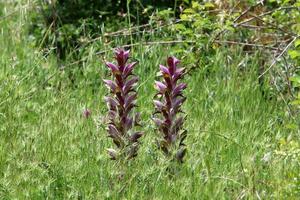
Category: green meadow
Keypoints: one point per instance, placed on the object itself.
(239, 144)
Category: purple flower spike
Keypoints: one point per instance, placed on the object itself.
(121, 103)
(172, 63)
(168, 115)
(121, 57)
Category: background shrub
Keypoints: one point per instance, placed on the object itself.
(66, 24)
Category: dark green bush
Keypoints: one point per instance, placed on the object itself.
(65, 24)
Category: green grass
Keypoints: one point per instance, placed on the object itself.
(49, 151)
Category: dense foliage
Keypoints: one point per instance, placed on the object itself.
(67, 24)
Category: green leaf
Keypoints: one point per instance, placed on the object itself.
(297, 43)
(184, 17)
(209, 5)
(294, 54)
(292, 126)
(198, 24)
(196, 5)
(295, 102)
(295, 79)
(188, 32)
(189, 11)
(180, 27)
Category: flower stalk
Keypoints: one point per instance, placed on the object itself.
(121, 102)
(168, 116)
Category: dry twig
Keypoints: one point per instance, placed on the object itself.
(277, 58)
(247, 44)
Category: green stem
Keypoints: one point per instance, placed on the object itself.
(129, 21)
(175, 5)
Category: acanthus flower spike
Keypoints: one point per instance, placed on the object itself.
(120, 104)
(168, 116)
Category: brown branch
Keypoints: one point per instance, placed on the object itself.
(150, 43)
(235, 20)
(254, 27)
(247, 44)
(264, 14)
(272, 25)
(126, 32)
(130, 45)
(170, 43)
(246, 11)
